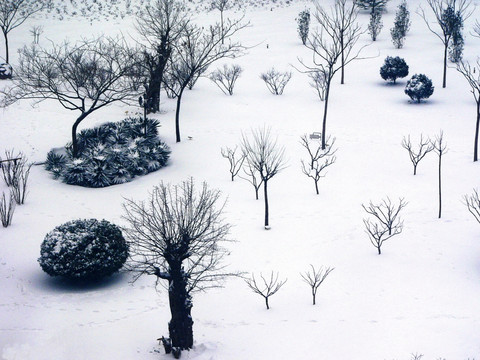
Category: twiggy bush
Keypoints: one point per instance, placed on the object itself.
(276, 80)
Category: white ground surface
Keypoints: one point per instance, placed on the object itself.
(420, 296)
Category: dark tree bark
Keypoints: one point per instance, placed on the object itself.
(265, 194)
(7, 55)
(477, 127)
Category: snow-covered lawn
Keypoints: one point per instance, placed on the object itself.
(422, 295)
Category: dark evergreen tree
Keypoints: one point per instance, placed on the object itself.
(419, 87)
(401, 25)
(394, 68)
(303, 22)
(455, 49)
(372, 5)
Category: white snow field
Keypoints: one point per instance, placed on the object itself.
(421, 296)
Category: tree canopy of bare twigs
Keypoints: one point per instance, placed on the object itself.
(196, 51)
(177, 236)
(269, 287)
(14, 13)
(315, 278)
(472, 75)
(319, 159)
(424, 147)
(226, 77)
(385, 223)
(440, 147)
(160, 23)
(235, 161)
(83, 77)
(333, 46)
(446, 24)
(472, 202)
(221, 5)
(265, 156)
(276, 80)
(252, 176)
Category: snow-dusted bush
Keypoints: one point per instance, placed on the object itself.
(303, 22)
(5, 71)
(393, 68)
(401, 25)
(419, 87)
(113, 153)
(84, 250)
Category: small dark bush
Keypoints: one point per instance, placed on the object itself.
(419, 87)
(5, 71)
(394, 68)
(83, 250)
(113, 153)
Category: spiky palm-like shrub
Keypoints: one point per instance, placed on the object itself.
(83, 250)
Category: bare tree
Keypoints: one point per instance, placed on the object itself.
(330, 43)
(265, 156)
(14, 13)
(235, 163)
(276, 80)
(445, 12)
(472, 75)
(386, 221)
(440, 147)
(83, 77)
(36, 31)
(252, 174)
(195, 52)
(177, 236)
(424, 147)
(221, 5)
(472, 202)
(315, 278)
(160, 23)
(269, 287)
(226, 77)
(11, 166)
(319, 159)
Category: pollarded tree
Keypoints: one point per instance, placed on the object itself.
(449, 14)
(195, 52)
(332, 43)
(265, 157)
(160, 23)
(393, 68)
(83, 77)
(14, 13)
(472, 75)
(177, 236)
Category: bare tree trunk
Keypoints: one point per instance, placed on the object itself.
(6, 47)
(266, 207)
(74, 134)
(266, 303)
(475, 148)
(177, 116)
(325, 109)
(316, 186)
(342, 81)
(445, 65)
(379, 251)
(180, 326)
(221, 22)
(439, 187)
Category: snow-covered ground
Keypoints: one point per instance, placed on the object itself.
(422, 295)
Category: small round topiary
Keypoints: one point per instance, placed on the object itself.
(394, 68)
(5, 71)
(83, 250)
(419, 87)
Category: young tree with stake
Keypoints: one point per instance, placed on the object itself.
(267, 158)
(177, 236)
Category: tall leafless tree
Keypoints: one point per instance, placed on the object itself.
(315, 278)
(160, 23)
(472, 75)
(195, 52)
(221, 5)
(83, 77)
(14, 13)
(445, 29)
(177, 236)
(440, 147)
(269, 288)
(330, 43)
(318, 160)
(265, 156)
(424, 147)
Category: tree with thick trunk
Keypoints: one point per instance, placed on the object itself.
(82, 77)
(267, 158)
(177, 236)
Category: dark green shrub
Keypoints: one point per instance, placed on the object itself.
(394, 68)
(419, 87)
(83, 250)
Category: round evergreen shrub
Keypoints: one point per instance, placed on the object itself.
(419, 87)
(394, 68)
(5, 71)
(83, 250)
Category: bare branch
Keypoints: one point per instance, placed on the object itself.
(424, 147)
(269, 287)
(235, 163)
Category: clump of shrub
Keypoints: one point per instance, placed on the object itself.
(5, 71)
(113, 153)
(83, 250)
(393, 68)
(419, 87)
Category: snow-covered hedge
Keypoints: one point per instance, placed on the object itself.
(83, 249)
(113, 153)
(5, 71)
